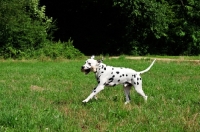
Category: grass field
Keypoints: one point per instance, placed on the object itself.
(47, 96)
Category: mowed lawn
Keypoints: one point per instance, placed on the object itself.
(47, 96)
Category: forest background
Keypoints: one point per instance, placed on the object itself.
(72, 28)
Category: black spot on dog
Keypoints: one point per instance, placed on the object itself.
(137, 83)
(110, 79)
(134, 76)
(134, 83)
(94, 91)
(113, 76)
(122, 74)
(131, 79)
(137, 78)
(112, 68)
(117, 72)
(102, 66)
(140, 78)
(95, 88)
(98, 82)
(105, 68)
(111, 72)
(110, 82)
(114, 85)
(126, 74)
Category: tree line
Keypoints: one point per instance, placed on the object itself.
(27, 32)
(138, 27)
(114, 27)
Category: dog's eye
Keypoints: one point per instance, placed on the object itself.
(89, 64)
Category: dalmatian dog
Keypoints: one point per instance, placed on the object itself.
(112, 76)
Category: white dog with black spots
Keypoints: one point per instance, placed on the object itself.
(112, 76)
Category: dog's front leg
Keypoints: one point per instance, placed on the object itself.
(94, 92)
(95, 96)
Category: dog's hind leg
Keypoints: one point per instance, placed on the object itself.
(141, 92)
(138, 87)
(127, 93)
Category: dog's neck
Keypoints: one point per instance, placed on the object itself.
(100, 67)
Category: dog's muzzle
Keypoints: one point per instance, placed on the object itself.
(86, 71)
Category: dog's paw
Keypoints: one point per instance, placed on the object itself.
(145, 99)
(127, 102)
(95, 97)
(85, 101)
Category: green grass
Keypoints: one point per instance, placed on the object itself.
(47, 96)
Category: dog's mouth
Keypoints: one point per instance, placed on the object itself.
(86, 71)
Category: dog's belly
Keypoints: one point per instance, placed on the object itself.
(117, 81)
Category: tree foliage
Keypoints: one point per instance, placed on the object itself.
(134, 27)
(26, 32)
(162, 26)
(24, 27)
(185, 30)
(165, 27)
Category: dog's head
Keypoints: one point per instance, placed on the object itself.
(90, 65)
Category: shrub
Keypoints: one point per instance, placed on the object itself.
(60, 49)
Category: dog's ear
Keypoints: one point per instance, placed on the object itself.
(100, 61)
(92, 57)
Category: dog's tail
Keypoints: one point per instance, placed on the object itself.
(141, 72)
